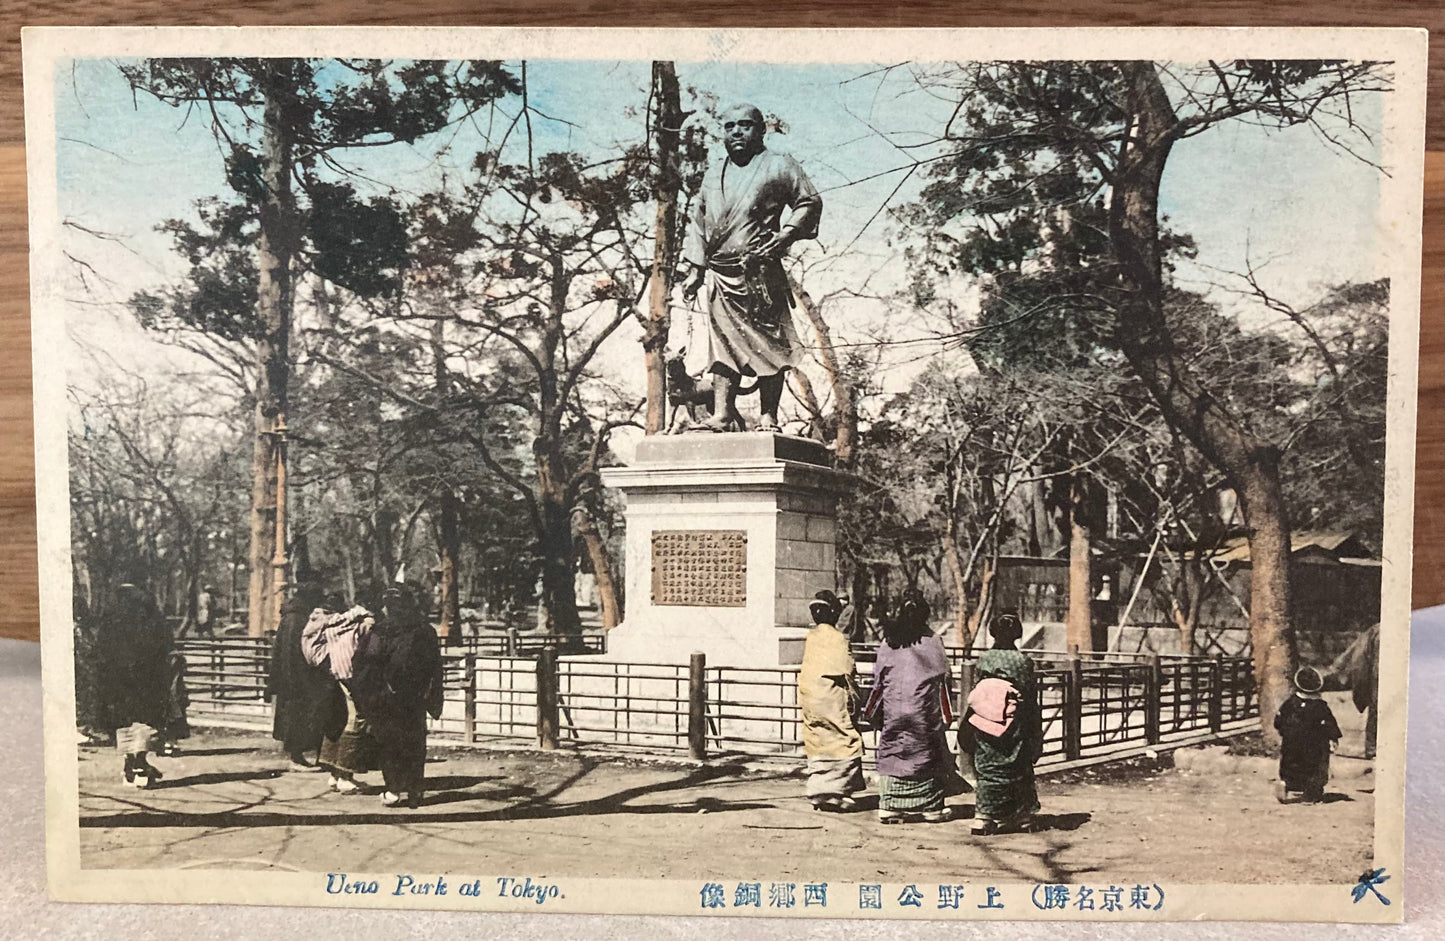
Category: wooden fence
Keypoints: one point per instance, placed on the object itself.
(1090, 707)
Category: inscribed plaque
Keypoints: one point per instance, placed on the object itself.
(700, 567)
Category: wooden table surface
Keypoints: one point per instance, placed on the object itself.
(19, 615)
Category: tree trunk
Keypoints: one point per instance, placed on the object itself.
(956, 576)
(979, 616)
(448, 538)
(450, 547)
(263, 526)
(666, 130)
(554, 497)
(1078, 622)
(559, 593)
(601, 567)
(279, 561)
(275, 248)
(383, 540)
(1271, 633)
(1187, 601)
(1184, 625)
(300, 550)
(803, 386)
(1040, 531)
(1250, 465)
(844, 408)
(348, 572)
(194, 564)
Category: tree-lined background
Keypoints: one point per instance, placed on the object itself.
(430, 366)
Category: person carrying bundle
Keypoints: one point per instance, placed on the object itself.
(1002, 729)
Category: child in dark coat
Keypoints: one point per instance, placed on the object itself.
(1308, 733)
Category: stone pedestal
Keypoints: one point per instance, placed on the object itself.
(728, 537)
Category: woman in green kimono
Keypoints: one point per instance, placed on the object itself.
(827, 694)
(1006, 798)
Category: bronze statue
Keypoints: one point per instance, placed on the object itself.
(753, 205)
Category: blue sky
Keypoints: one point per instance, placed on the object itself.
(1283, 200)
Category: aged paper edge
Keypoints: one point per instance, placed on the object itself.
(1400, 218)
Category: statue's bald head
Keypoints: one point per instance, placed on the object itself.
(744, 110)
(742, 127)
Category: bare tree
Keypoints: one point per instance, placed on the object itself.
(304, 117)
(1083, 146)
(665, 118)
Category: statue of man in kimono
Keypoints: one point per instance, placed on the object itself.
(753, 205)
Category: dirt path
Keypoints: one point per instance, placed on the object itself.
(228, 803)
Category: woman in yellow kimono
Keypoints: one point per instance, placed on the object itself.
(827, 694)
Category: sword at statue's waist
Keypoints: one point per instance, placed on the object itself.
(729, 263)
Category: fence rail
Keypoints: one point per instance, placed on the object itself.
(514, 643)
(1088, 706)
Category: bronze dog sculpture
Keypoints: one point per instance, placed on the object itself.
(691, 400)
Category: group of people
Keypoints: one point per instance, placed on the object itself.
(911, 704)
(355, 686)
(129, 682)
(1000, 732)
(352, 686)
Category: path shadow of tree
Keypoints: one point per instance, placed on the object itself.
(458, 782)
(217, 777)
(1333, 797)
(457, 794)
(1041, 822)
(537, 806)
(210, 752)
(1044, 822)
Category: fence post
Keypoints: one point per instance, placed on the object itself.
(1074, 706)
(697, 706)
(965, 685)
(469, 701)
(512, 642)
(1216, 693)
(547, 698)
(1152, 683)
(963, 763)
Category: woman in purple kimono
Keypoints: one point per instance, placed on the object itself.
(911, 699)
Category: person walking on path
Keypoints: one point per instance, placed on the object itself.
(206, 612)
(827, 695)
(91, 724)
(911, 699)
(178, 702)
(304, 694)
(133, 648)
(330, 640)
(397, 682)
(1003, 730)
(1308, 734)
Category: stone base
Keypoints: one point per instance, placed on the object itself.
(780, 491)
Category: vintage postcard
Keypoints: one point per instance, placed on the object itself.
(942, 474)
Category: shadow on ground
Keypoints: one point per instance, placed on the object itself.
(449, 790)
(1043, 822)
(217, 777)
